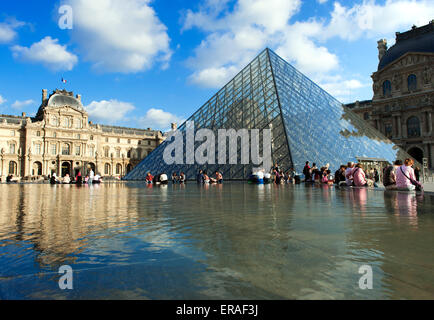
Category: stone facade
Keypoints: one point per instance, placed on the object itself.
(403, 101)
(60, 139)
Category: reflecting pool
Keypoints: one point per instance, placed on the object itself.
(231, 241)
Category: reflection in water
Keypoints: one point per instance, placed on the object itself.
(226, 241)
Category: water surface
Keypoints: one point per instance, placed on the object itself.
(232, 241)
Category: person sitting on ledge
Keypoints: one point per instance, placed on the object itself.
(389, 175)
(206, 179)
(405, 177)
(359, 177)
(182, 177)
(53, 179)
(340, 175)
(164, 179)
(9, 178)
(175, 178)
(219, 177)
(66, 179)
(149, 178)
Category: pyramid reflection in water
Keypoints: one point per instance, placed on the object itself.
(307, 123)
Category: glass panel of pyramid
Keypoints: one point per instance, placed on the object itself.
(306, 122)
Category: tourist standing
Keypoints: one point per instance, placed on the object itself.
(91, 177)
(306, 172)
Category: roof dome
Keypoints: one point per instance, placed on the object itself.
(416, 40)
(60, 100)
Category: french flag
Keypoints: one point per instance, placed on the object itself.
(64, 80)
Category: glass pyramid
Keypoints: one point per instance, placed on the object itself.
(307, 123)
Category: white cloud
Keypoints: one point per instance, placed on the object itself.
(120, 36)
(342, 89)
(159, 119)
(213, 77)
(235, 36)
(322, 1)
(47, 52)
(2, 100)
(371, 20)
(22, 104)
(7, 30)
(110, 111)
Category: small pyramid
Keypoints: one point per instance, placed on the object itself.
(306, 123)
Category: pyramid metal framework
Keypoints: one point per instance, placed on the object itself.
(307, 123)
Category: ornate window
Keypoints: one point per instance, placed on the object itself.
(91, 138)
(77, 150)
(66, 149)
(366, 116)
(387, 88)
(12, 148)
(129, 154)
(37, 148)
(413, 127)
(53, 149)
(118, 168)
(78, 124)
(54, 121)
(91, 151)
(412, 82)
(118, 153)
(106, 152)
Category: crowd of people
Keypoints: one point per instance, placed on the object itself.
(202, 178)
(399, 176)
(402, 176)
(89, 179)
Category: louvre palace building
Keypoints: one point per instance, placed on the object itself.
(60, 139)
(403, 92)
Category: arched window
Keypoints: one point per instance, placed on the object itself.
(107, 169)
(37, 169)
(412, 82)
(66, 149)
(387, 88)
(413, 127)
(13, 168)
(119, 169)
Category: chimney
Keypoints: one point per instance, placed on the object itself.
(174, 126)
(44, 95)
(382, 48)
(79, 97)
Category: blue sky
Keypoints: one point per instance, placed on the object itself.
(144, 63)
